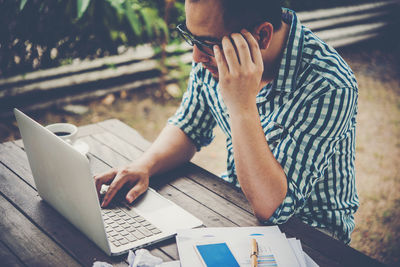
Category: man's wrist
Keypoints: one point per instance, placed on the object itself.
(243, 111)
(145, 165)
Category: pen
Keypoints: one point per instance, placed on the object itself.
(254, 253)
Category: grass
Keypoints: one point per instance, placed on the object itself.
(377, 231)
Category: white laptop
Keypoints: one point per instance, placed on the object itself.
(63, 179)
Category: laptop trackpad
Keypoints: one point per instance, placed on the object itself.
(150, 201)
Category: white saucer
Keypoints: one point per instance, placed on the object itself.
(82, 147)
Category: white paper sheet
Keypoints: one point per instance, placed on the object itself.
(271, 244)
(310, 262)
(298, 251)
(170, 264)
(302, 257)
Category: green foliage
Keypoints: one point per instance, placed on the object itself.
(22, 4)
(41, 33)
(82, 5)
(317, 4)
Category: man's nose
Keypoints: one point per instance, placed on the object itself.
(199, 56)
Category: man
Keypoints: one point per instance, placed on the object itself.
(287, 104)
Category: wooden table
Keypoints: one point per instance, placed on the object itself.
(32, 233)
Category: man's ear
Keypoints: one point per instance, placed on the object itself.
(263, 34)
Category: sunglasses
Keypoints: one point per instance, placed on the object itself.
(204, 46)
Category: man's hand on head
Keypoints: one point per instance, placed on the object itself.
(240, 68)
(132, 176)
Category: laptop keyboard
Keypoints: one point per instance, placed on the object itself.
(122, 228)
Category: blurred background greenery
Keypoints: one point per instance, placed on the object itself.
(39, 34)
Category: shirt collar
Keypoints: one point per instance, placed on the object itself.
(286, 78)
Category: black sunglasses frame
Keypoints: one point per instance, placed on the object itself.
(191, 40)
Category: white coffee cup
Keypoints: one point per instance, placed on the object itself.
(65, 131)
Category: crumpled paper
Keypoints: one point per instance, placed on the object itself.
(143, 258)
(139, 258)
(101, 264)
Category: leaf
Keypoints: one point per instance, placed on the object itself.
(133, 19)
(149, 18)
(162, 29)
(81, 6)
(117, 5)
(22, 4)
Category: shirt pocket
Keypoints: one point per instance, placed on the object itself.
(273, 132)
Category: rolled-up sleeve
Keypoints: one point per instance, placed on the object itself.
(311, 140)
(193, 116)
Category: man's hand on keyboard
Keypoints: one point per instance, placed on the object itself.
(133, 176)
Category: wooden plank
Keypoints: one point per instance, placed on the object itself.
(337, 21)
(145, 53)
(224, 189)
(138, 53)
(105, 153)
(94, 76)
(26, 241)
(121, 147)
(11, 155)
(81, 78)
(345, 10)
(126, 133)
(49, 220)
(97, 166)
(353, 39)
(213, 201)
(89, 129)
(320, 259)
(7, 258)
(332, 248)
(159, 253)
(346, 32)
(209, 217)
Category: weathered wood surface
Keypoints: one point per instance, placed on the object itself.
(112, 144)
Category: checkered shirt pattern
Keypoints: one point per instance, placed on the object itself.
(308, 114)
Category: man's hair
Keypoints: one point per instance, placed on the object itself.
(239, 14)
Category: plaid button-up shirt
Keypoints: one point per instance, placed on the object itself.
(308, 114)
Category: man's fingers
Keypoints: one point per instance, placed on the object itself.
(135, 192)
(116, 184)
(242, 49)
(230, 54)
(221, 62)
(254, 48)
(104, 178)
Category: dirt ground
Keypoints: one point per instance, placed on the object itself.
(377, 69)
